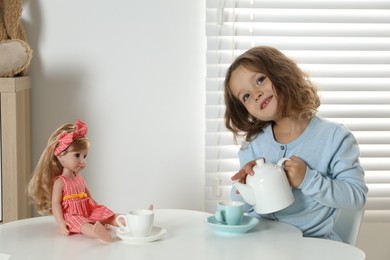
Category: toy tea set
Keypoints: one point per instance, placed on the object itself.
(137, 227)
(267, 191)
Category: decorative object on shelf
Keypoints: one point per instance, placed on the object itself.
(15, 52)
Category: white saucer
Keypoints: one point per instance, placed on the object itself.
(155, 234)
(247, 224)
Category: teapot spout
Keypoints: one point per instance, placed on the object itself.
(246, 192)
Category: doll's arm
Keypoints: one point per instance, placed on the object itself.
(57, 208)
(87, 191)
(89, 194)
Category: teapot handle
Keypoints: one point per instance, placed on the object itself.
(282, 161)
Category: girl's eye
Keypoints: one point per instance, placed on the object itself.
(245, 97)
(77, 155)
(85, 156)
(260, 80)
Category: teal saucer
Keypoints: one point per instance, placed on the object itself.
(247, 224)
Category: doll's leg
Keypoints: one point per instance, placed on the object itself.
(112, 221)
(102, 232)
(96, 230)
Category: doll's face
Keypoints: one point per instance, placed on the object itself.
(73, 161)
(255, 92)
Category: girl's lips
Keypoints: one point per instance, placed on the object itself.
(265, 102)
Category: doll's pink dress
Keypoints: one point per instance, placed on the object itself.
(77, 207)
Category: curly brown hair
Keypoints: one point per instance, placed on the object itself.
(297, 96)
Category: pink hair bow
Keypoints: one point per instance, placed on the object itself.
(66, 139)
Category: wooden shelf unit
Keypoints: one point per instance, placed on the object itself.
(15, 105)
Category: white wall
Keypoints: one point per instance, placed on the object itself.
(134, 72)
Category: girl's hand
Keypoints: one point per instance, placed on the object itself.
(295, 169)
(247, 169)
(241, 175)
(63, 226)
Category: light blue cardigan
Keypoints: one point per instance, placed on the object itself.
(334, 177)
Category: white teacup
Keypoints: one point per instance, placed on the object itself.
(230, 212)
(138, 222)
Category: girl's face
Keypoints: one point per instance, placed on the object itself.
(73, 161)
(254, 90)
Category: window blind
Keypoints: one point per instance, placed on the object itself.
(344, 45)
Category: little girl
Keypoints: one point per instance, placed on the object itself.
(57, 187)
(273, 104)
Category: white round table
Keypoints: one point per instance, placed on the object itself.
(188, 237)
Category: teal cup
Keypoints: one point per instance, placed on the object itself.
(229, 212)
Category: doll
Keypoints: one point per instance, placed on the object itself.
(57, 187)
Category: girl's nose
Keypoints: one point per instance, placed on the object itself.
(258, 95)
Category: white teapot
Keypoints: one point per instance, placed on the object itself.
(268, 189)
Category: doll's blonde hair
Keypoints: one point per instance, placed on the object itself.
(40, 187)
